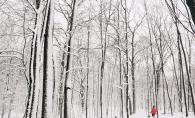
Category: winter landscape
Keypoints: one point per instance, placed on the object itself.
(97, 58)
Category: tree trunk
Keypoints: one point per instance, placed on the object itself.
(188, 76)
(47, 111)
(167, 88)
(182, 75)
(68, 76)
(103, 52)
(56, 85)
(191, 4)
(128, 100)
(176, 77)
(133, 74)
(148, 84)
(155, 73)
(164, 105)
(189, 61)
(87, 89)
(33, 88)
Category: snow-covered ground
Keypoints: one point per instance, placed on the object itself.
(142, 114)
(139, 114)
(13, 115)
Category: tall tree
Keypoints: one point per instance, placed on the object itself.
(47, 111)
(33, 88)
(68, 75)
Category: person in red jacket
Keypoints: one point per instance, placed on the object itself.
(153, 111)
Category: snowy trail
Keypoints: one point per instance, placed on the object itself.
(143, 114)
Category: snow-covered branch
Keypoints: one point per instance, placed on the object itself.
(13, 65)
(15, 56)
(11, 51)
(32, 6)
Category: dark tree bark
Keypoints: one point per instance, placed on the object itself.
(38, 3)
(68, 75)
(127, 99)
(188, 76)
(168, 94)
(47, 111)
(153, 65)
(61, 85)
(176, 77)
(33, 87)
(102, 58)
(120, 60)
(191, 4)
(133, 73)
(189, 61)
(87, 89)
(182, 74)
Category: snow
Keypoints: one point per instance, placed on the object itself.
(139, 114)
(76, 113)
(14, 115)
(143, 114)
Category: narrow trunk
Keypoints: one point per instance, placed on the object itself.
(188, 76)
(87, 89)
(93, 93)
(121, 91)
(182, 75)
(176, 77)
(128, 100)
(148, 84)
(164, 96)
(155, 73)
(67, 86)
(167, 88)
(103, 51)
(28, 111)
(47, 111)
(61, 85)
(132, 72)
(120, 61)
(189, 61)
(55, 88)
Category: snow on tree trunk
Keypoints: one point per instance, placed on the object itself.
(68, 76)
(34, 74)
(56, 85)
(47, 111)
(31, 83)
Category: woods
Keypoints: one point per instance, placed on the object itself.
(96, 58)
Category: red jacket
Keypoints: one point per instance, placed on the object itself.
(153, 111)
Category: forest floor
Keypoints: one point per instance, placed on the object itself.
(139, 114)
(142, 114)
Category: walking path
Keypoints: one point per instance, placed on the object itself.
(143, 114)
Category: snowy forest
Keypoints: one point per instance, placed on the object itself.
(97, 58)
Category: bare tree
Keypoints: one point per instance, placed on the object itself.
(68, 75)
(47, 106)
